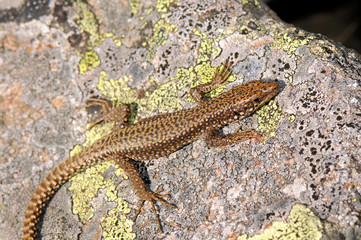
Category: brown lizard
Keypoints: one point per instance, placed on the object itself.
(157, 136)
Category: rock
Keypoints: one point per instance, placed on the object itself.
(149, 54)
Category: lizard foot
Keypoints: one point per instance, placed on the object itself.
(152, 197)
(221, 74)
(110, 112)
(220, 77)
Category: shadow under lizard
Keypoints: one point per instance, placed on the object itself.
(156, 137)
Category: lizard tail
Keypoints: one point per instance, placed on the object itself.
(46, 189)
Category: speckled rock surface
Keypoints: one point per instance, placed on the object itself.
(302, 182)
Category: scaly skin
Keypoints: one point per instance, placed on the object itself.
(156, 137)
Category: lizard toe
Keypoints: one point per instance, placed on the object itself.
(152, 197)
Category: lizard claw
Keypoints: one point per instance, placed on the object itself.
(152, 197)
(222, 74)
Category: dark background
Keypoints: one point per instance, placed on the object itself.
(338, 20)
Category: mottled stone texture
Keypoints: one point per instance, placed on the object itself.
(54, 55)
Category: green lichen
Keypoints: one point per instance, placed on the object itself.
(288, 42)
(302, 224)
(159, 37)
(89, 60)
(269, 117)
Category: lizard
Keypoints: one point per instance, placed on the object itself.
(157, 136)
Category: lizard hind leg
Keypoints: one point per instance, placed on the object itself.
(111, 113)
(138, 184)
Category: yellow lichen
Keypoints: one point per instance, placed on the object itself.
(159, 37)
(207, 47)
(302, 224)
(205, 74)
(111, 35)
(123, 229)
(185, 77)
(255, 2)
(149, 10)
(162, 99)
(289, 76)
(269, 117)
(86, 185)
(163, 5)
(134, 4)
(89, 23)
(292, 118)
(165, 97)
(117, 89)
(322, 48)
(89, 60)
(143, 26)
(289, 43)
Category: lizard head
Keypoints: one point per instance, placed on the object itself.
(249, 97)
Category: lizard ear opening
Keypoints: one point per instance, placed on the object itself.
(257, 100)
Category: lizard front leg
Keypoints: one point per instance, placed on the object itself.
(212, 138)
(215, 140)
(138, 184)
(220, 76)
